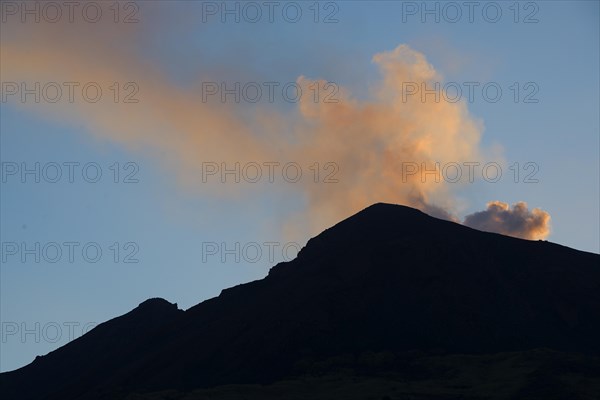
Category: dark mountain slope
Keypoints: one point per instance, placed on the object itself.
(388, 279)
(95, 358)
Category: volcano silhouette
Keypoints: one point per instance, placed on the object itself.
(370, 296)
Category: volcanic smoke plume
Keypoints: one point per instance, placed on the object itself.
(367, 139)
(518, 221)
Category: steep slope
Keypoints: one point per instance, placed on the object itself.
(95, 358)
(388, 279)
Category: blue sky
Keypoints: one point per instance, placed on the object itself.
(165, 224)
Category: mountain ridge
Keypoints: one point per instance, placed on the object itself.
(388, 279)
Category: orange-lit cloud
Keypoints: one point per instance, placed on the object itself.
(518, 221)
(367, 140)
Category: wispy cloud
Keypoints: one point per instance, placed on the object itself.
(368, 140)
